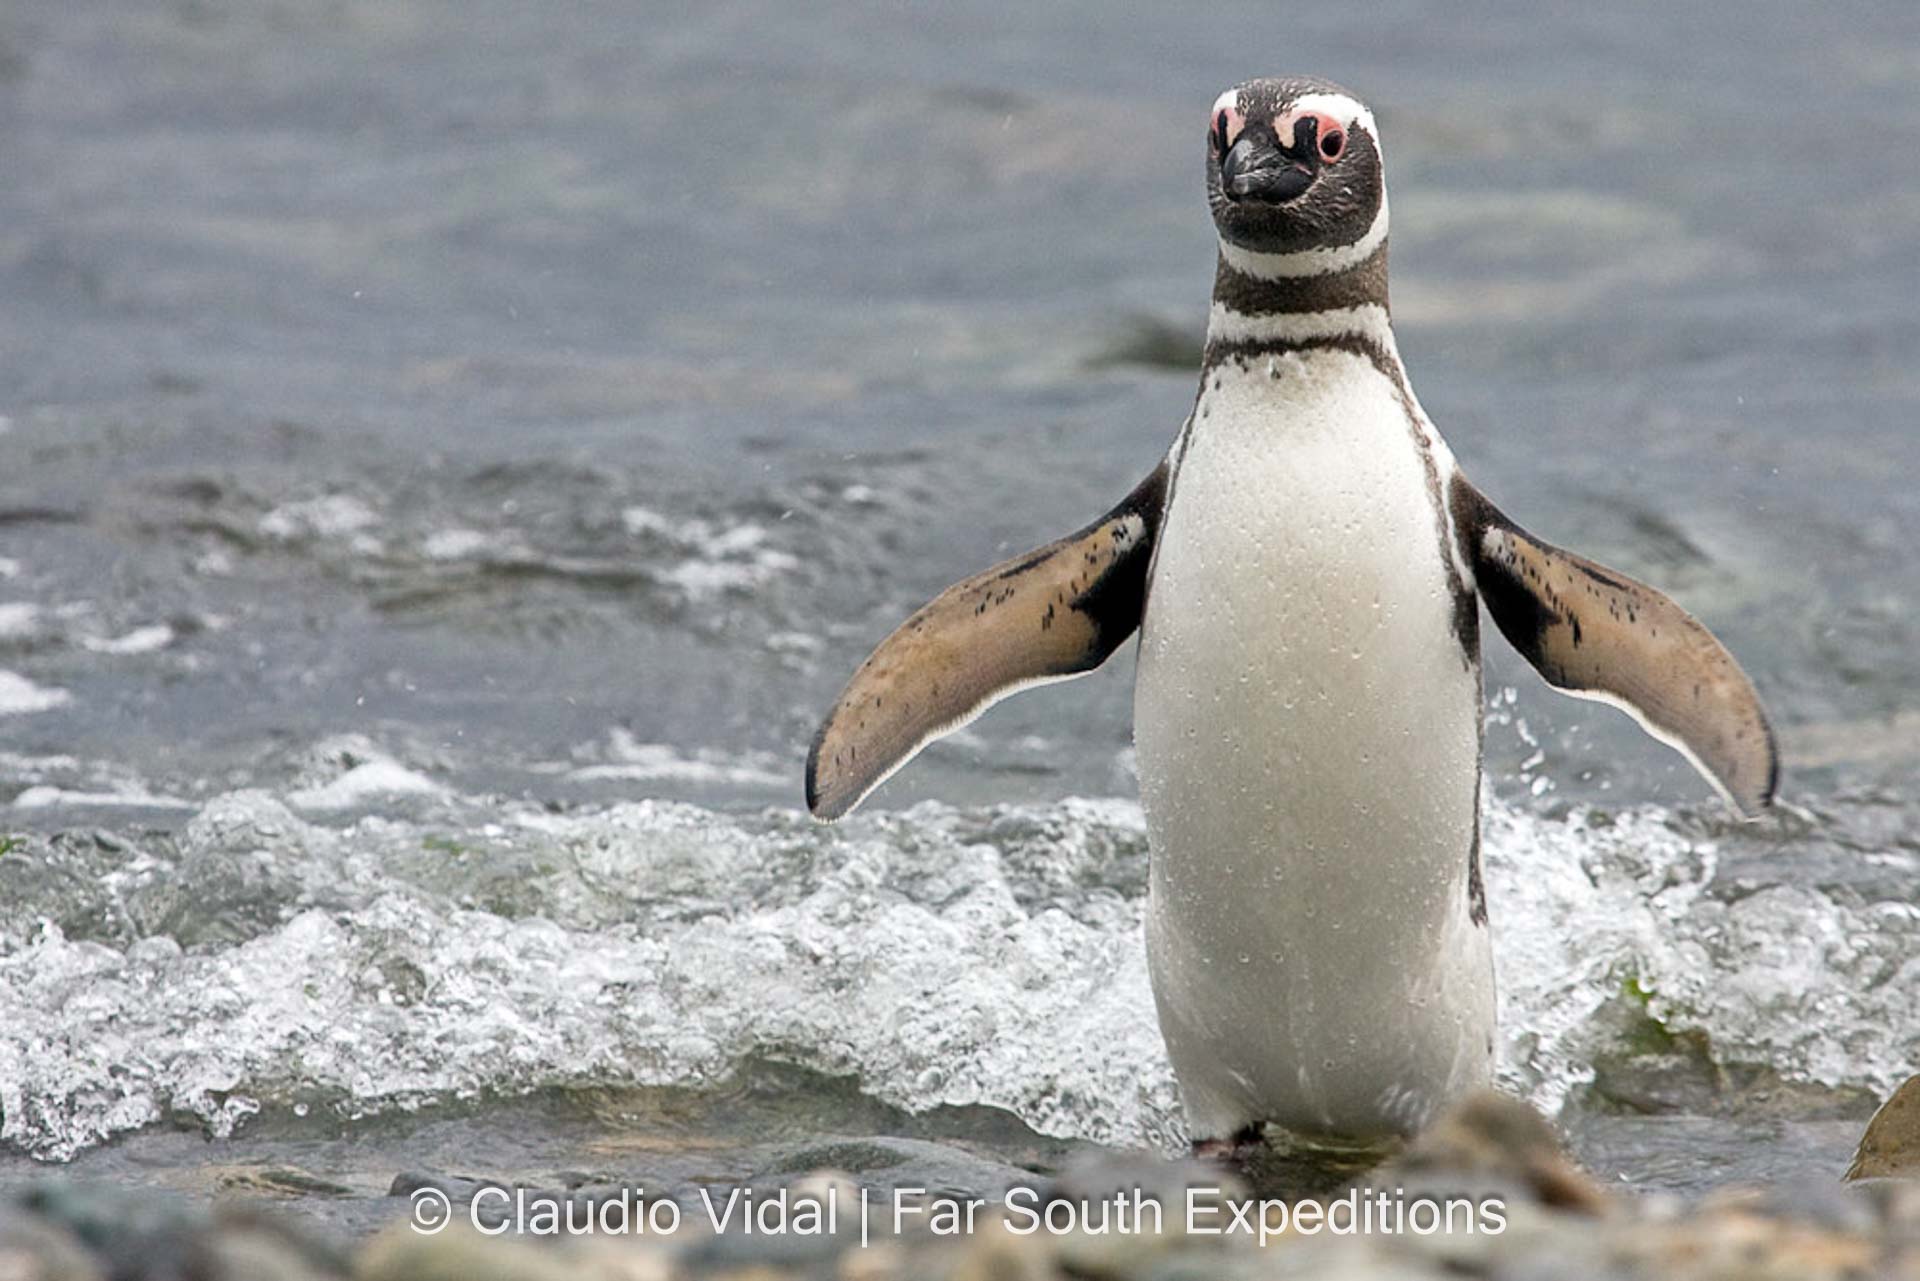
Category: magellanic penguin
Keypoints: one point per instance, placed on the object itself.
(1306, 568)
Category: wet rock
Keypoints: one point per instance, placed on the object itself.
(280, 1181)
(1257, 1267)
(454, 1187)
(462, 1254)
(798, 1227)
(32, 1249)
(1812, 1202)
(1896, 1201)
(1890, 1148)
(1497, 1138)
(880, 1261)
(730, 1254)
(996, 1254)
(458, 1188)
(130, 1232)
(85, 1231)
(1739, 1243)
(581, 1209)
(887, 1163)
(624, 1260)
(255, 1249)
(1816, 1230)
(1650, 1068)
(1127, 1211)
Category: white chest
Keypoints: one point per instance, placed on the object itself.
(1307, 732)
(1301, 563)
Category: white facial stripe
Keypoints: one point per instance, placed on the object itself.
(1228, 103)
(1340, 107)
(1368, 320)
(1308, 262)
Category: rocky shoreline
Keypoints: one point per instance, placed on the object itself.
(1488, 1192)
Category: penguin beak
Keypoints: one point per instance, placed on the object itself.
(1256, 169)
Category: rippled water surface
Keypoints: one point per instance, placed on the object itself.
(450, 455)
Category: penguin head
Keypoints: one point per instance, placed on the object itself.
(1292, 164)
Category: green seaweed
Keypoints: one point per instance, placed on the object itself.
(1647, 1033)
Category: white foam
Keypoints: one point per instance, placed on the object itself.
(334, 516)
(718, 560)
(939, 955)
(33, 765)
(45, 796)
(795, 643)
(141, 640)
(367, 781)
(635, 761)
(644, 520)
(215, 562)
(18, 618)
(456, 544)
(701, 579)
(21, 697)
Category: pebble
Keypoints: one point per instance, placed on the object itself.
(34, 1249)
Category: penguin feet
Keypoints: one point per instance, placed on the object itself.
(1275, 1162)
(1233, 1151)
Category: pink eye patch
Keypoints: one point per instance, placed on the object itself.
(1226, 122)
(1330, 134)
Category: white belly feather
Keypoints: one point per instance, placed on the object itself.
(1308, 746)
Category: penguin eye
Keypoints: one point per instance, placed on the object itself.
(1220, 132)
(1329, 135)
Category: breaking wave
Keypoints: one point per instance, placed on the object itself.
(257, 959)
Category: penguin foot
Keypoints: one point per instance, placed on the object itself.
(1275, 1162)
(1234, 1151)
